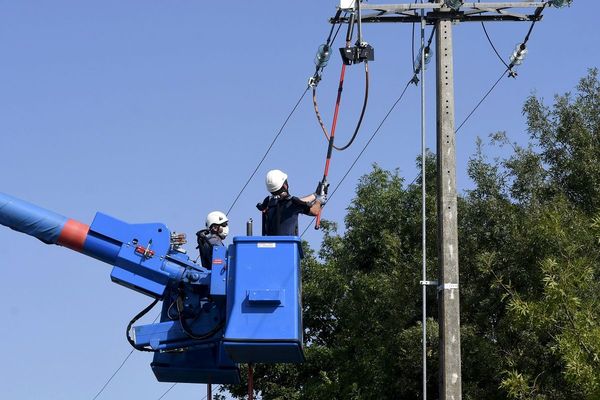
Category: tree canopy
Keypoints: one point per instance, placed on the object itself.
(529, 237)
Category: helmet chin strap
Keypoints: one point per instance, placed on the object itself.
(221, 231)
(284, 191)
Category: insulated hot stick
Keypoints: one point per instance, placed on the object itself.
(323, 183)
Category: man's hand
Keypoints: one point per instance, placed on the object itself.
(322, 199)
(322, 188)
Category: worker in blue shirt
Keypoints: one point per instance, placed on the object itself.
(217, 228)
(280, 210)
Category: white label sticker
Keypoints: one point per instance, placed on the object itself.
(449, 286)
(266, 245)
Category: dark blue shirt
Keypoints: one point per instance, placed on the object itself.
(206, 242)
(280, 215)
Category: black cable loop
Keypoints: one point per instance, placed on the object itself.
(363, 149)
(133, 321)
(349, 35)
(360, 119)
(492, 44)
(493, 47)
(537, 15)
(186, 328)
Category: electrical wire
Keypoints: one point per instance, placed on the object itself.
(537, 14)
(268, 150)
(422, 63)
(133, 320)
(168, 390)
(360, 119)
(316, 78)
(363, 149)
(366, 95)
(492, 44)
(118, 369)
(173, 385)
(493, 47)
(482, 100)
(113, 375)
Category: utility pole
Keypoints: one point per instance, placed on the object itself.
(442, 14)
(449, 307)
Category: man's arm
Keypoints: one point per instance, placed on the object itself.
(309, 198)
(313, 203)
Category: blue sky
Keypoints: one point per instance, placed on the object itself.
(158, 111)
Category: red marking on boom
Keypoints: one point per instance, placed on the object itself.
(73, 235)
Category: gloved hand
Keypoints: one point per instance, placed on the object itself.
(322, 199)
(322, 188)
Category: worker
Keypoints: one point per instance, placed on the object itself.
(217, 228)
(280, 210)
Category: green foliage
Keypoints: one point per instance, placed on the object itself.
(529, 234)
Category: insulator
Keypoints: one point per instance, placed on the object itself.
(454, 4)
(518, 56)
(560, 3)
(322, 57)
(428, 55)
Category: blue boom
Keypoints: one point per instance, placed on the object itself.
(244, 308)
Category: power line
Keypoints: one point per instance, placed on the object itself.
(364, 148)
(168, 390)
(493, 47)
(173, 385)
(268, 150)
(118, 369)
(113, 375)
(482, 100)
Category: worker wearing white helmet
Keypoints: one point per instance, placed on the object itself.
(280, 210)
(217, 228)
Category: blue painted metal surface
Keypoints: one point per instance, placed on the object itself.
(30, 219)
(247, 308)
(204, 365)
(218, 281)
(264, 313)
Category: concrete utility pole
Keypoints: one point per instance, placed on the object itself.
(442, 13)
(449, 306)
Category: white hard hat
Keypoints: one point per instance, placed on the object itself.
(275, 180)
(215, 217)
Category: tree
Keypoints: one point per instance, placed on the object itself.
(529, 234)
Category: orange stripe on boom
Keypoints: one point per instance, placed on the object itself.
(73, 235)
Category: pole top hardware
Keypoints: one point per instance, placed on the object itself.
(357, 54)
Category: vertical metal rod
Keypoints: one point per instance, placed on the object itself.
(448, 291)
(359, 23)
(250, 382)
(208, 391)
(249, 227)
(423, 202)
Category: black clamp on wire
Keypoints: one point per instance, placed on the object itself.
(357, 54)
